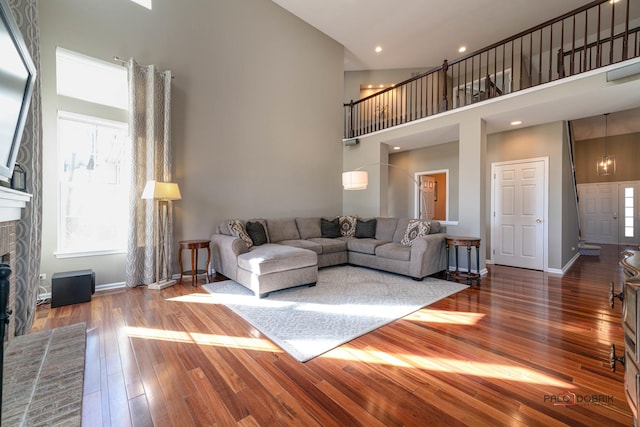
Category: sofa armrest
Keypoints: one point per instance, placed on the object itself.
(225, 254)
(428, 255)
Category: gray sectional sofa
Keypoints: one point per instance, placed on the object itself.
(291, 250)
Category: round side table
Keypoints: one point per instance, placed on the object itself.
(467, 242)
(194, 246)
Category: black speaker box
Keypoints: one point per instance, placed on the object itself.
(72, 287)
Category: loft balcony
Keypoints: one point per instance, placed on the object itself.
(599, 34)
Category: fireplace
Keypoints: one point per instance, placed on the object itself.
(8, 257)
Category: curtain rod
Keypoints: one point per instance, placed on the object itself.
(123, 61)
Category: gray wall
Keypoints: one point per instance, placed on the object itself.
(541, 141)
(257, 117)
(435, 157)
(626, 149)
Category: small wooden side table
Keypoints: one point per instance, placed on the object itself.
(194, 246)
(467, 242)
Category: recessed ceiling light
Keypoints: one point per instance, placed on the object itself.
(613, 1)
(381, 86)
(396, 148)
(370, 86)
(462, 49)
(516, 122)
(378, 49)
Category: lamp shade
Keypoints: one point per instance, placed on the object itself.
(157, 190)
(355, 180)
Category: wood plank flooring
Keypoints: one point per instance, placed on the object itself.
(503, 354)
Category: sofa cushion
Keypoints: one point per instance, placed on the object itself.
(385, 228)
(308, 227)
(257, 232)
(416, 228)
(348, 225)
(330, 229)
(237, 229)
(394, 251)
(435, 227)
(272, 258)
(304, 244)
(365, 228)
(365, 246)
(331, 246)
(282, 229)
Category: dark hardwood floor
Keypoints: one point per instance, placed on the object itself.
(506, 353)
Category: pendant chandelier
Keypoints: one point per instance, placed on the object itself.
(606, 164)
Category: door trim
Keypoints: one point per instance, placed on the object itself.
(545, 208)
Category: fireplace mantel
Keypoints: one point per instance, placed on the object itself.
(11, 203)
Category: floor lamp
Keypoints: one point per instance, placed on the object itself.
(161, 193)
(359, 180)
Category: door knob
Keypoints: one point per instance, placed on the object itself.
(539, 221)
(615, 216)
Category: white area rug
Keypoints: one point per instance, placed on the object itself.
(347, 302)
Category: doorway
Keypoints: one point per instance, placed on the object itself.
(609, 212)
(519, 200)
(433, 195)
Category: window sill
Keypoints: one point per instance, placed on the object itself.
(63, 255)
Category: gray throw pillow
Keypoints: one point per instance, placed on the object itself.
(366, 229)
(256, 231)
(330, 229)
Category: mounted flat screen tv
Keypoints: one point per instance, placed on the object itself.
(17, 79)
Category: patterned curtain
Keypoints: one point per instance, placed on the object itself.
(150, 131)
(29, 228)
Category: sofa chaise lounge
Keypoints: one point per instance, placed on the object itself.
(266, 255)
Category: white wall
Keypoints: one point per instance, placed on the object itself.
(257, 108)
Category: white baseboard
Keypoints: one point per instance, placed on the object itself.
(566, 267)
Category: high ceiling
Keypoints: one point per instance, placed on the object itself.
(420, 33)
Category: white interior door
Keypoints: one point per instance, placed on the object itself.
(519, 214)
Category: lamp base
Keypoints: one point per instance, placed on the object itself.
(162, 284)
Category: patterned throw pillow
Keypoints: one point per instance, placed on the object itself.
(416, 228)
(237, 229)
(348, 225)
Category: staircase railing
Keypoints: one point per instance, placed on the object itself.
(598, 34)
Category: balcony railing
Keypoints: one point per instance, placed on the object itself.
(598, 34)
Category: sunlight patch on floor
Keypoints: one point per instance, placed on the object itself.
(202, 339)
(442, 364)
(441, 316)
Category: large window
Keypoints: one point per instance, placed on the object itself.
(94, 157)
